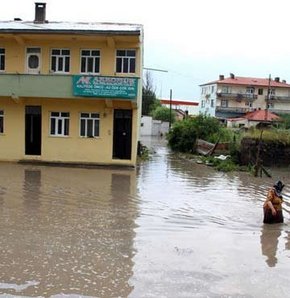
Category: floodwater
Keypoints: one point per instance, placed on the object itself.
(170, 228)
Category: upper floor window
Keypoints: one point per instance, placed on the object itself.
(226, 89)
(59, 123)
(224, 103)
(260, 91)
(126, 61)
(90, 125)
(272, 91)
(212, 89)
(250, 90)
(60, 60)
(90, 61)
(2, 59)
(1, 121)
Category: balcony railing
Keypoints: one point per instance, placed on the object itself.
(278, 98)
(68, 86)
(233, 109)
(238, 96)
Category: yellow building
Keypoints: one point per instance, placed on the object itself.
(70, 92)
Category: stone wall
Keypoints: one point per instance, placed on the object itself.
(271, 153)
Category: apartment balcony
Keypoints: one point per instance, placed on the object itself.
(278, 98)
(279, 111)
(238, 96)
(233, 110)
(68, 86)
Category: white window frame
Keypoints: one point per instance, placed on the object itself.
(86, 119)
(94, 57)
(2, 56)
(60, 118)
(1, 121)
(123, 59)
(60, 60)
(250, 90)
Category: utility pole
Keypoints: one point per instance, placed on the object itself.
(170, 108)
(268, 98)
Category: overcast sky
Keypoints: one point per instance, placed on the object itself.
(194, 41)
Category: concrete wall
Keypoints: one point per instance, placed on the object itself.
(150, 127)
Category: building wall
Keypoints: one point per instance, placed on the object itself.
(207, 103)
(16, 53)
(72, 148)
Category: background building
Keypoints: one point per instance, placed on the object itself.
(235, 96)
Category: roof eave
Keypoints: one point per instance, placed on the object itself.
(75, 32)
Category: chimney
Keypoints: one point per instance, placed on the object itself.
(277, 79)
(40, 13)
(284, 81)
(232, 75)
(222, 77)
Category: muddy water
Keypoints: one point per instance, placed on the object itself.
(172, 228)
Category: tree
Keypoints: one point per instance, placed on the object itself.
(149, 100)
(163, 114)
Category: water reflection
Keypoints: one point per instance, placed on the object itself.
(31, 188)
(269, 243)
(67, 231)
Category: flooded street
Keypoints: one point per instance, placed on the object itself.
(170, 228)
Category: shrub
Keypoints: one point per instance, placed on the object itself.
(183, 135)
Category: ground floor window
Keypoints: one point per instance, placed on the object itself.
(89, 125)
(59, 123)
(1, 121)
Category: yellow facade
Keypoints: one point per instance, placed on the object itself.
(71, 148)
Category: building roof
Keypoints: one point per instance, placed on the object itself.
(262, 115)
(247, 81)
(178, 102)
(69, 27)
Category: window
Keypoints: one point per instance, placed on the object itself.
(1, 121)
(60, 60)
(202, 103)
(2, 59)
(260, 91)
(125, 61)
(250, 90)
(59, 124)
(272, 91)
(212, 89)
(90, 61)
(226, 89)
(224, 103)
(212, 103)
(90, 125)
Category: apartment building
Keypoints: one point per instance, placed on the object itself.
(235, 96)
(70, 92)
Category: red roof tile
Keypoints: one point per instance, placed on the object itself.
(249, 82)
(262, 115)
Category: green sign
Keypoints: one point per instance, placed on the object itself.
(99, 86)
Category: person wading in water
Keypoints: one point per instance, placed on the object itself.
(273, 204)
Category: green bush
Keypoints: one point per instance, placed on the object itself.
(183, 135)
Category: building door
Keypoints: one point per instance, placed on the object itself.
(122, 139)
(33, 56)
(33, 130)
